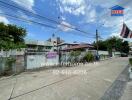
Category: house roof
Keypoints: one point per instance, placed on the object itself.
(80, 46)
(66, 43)
(117, 7)
(36, 42)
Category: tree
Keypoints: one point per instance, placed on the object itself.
(113, 43)
(101, 45)
(118, 45)
(11, 37)
(125, 47)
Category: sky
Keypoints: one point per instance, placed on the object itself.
(86, 15)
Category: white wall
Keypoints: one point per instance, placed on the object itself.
(103, 53)
(36, 61)
(11, 52)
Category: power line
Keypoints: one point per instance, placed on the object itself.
(26, 20)
(45, 18)
(38, 23)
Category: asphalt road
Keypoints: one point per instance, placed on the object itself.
(84, 82)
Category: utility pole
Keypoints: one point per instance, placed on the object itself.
(97, 36)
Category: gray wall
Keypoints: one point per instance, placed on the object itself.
(19, 64)
(16, 67)
(37, 61)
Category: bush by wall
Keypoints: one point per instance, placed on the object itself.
(130, 61)
(7, 65)
(89, 57)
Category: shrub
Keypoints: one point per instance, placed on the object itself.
(9, 62)
(89, 57)
(130, 61)
(74, 55)
(8, 66)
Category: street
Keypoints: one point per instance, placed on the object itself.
(47, 85)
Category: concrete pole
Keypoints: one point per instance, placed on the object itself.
(97, 41)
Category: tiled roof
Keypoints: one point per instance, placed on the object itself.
(80, 46)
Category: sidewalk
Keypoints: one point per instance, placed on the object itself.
(128, 92)
(115, 91)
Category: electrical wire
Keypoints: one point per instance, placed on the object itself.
(38, 23)
(43, 17)
(26, 20)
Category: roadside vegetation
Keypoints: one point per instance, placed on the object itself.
(11, 38)
(88, 57)
(113, 44)
(130, 61)
(76, 56)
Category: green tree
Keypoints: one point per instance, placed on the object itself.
(11, 37)
(125, 47)
(88, 57)
(114, 43)
(101, 45)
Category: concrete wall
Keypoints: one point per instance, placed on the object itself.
(19, 64)
(16, 67)
(106, 53)
(37, 61)
(11, 53)
(103, 53)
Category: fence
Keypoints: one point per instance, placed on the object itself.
(12, 61)
(12, 64)
(41, 60)
(34, 61)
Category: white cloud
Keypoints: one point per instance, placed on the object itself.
(128, 17)
(31, 35)
(129, 23)
(23, 15)
(79, 7)
(75, 7)
(104, 17)
(63, 27)
(25, 3)
(3, 18)
(115, 34)
(125, 3)
(91, 16)
(80, 10)
(91, 13)
(72, 2)
(104, 3)
(63, 18)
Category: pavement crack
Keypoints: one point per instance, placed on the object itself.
(13, 88)
(42, 87)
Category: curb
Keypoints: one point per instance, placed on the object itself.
(116, 90)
